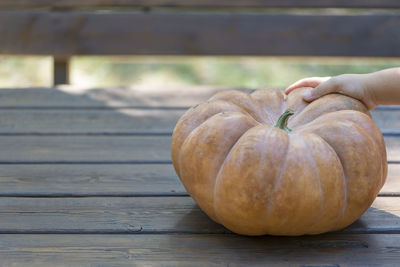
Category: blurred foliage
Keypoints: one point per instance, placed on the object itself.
(252, 72)
(25, 71)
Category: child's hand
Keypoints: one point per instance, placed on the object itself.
(353, 85)
(306, 82)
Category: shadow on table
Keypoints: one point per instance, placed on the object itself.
(357, 244)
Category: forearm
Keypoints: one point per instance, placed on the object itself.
(384, 86)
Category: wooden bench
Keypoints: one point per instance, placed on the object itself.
(86, 177)
(66, 28)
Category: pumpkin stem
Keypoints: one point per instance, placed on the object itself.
(283, 120)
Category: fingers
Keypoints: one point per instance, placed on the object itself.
(306, 82)
(323, 89)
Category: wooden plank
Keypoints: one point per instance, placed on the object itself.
(392, 185)
(105, 149)
(199, 250)
(104, 215)
(147, 215)
(111, 180)
(91, 33)
(392, 148)
(44, 98)
(386, 119)
(199, 3)
(90, 180)
(85, 149)
(121, 120)
(70, 97)
(103, 121)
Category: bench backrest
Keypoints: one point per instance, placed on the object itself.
(65, 28)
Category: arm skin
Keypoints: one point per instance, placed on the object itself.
(377, 88)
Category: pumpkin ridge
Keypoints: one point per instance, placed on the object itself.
(344, 175)
(322, 119)
(216, 114)
(208, 118)
(366, 134)
(361, 129)
(262, 108)
(246, 110)
(249, 123)
(279, 177)
(329, 107)
(380, 143)
(266, 108)
(316, 171)
(226, 159)
(187, 133)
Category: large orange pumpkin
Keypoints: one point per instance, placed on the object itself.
(257, 172)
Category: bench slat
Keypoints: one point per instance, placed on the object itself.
(147, 215)
(111, 180)
(105, 149)
(70, 97)
(89, 33)
(122, 121)
(199, 250)
(94, 180)
(200, 3)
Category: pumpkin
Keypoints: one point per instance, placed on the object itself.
(257, 169)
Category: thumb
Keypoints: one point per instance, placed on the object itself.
(319, 91)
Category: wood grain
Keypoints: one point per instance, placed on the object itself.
(199, 250)
(105, 149)
(77, 180)
(127, 121)
(386, 119)
(90, 33)
(70, 97)
(147, 215)
(198, 3)
(392, 148)
(85, 149)
(123, 214)
(75, 98)
(91, 180)
(392, 185)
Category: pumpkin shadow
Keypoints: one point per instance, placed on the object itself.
(216, 243)
(373, 221)
(195, 221)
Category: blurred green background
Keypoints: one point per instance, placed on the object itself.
(251, 72)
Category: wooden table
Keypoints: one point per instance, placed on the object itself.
(86, 180)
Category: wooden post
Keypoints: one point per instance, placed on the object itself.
(61, 71)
